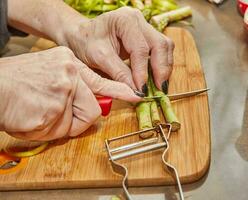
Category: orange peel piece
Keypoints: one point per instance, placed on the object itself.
(5, 157)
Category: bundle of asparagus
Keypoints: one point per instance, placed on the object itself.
(148, 112)
(158, 12)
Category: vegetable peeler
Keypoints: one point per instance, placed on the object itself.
(159, 141)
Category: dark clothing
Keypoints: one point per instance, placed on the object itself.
(4, 33)
(5, 30)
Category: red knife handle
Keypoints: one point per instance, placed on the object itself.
(105, 104)
(242, 5)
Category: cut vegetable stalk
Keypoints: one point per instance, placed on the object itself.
(160, 21)
(164, 6)
(154, 107)
(167, 109)
(147, 12)
(137, 4)
(143, 112)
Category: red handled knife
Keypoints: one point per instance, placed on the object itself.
(105, 104)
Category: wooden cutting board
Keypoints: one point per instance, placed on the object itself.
(82, 162)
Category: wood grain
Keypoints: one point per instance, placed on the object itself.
(82, 162)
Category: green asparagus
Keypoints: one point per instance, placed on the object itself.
(167, 109)
(154, 11)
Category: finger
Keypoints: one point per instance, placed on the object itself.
(106, 87)
(161, 67)
(135, 44)
(85, 110)
(112, 64)
(162, 49)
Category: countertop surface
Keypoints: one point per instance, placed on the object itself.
(223, 46)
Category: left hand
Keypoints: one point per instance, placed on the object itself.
(103, 43)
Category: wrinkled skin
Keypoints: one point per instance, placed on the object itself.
(105, 41)
(49, 95)
(43, 99)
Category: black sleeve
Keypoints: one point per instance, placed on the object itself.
(4, 33)
(5, 30)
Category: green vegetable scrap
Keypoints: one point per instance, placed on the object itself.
(137, 4)
(158, 12)
(161, 21)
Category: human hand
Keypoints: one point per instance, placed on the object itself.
(49, 95)
(103, 43)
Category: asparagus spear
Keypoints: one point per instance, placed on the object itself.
(164, 5)
(167, 109)
(151, 9)
(160, 21)
(148, 114)
(154, 107)
(143, 112)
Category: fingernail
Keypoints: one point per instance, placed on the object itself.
(165, 86)
(138, 93)
(145, 89)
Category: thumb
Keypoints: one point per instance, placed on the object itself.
(106, 87)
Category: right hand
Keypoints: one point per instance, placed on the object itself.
(49, 95)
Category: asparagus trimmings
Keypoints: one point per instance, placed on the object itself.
(154, 11)
(160, 21)
(137, 4)
(164, 6)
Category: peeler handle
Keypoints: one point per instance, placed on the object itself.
(105, 104)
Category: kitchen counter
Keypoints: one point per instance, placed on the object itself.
(223, 46)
